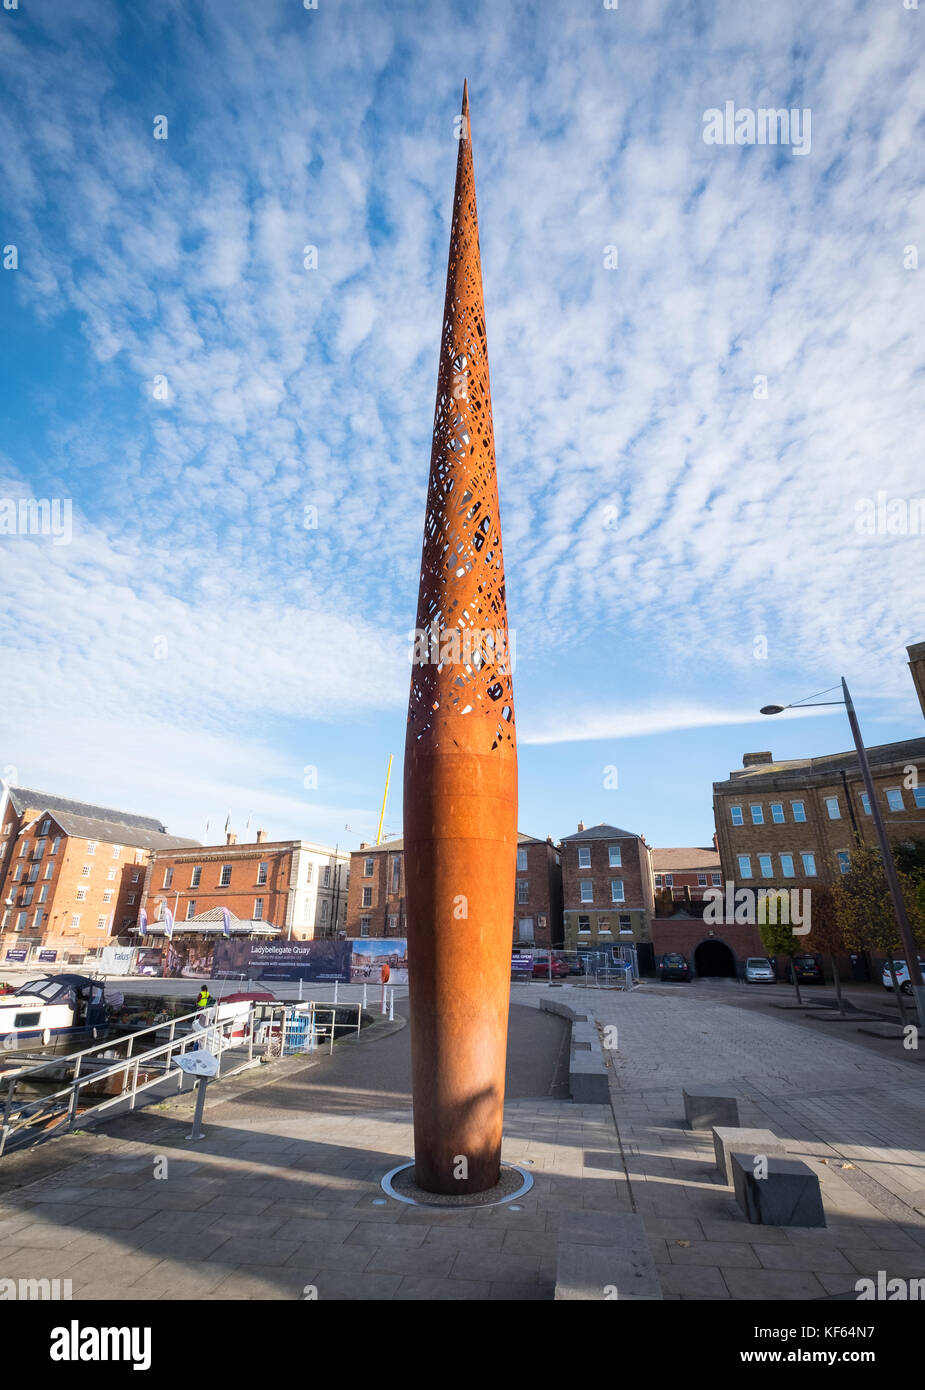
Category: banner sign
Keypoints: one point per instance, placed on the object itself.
(522, 963)
(369, 954)
(46, 955)
(17, 953)
(328, 959)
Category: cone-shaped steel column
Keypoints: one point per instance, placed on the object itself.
(460, 794)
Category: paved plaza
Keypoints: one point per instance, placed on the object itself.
(282, 1199)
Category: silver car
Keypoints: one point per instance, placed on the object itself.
(758, 969)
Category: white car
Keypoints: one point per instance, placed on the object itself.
(758, 968)
(902, 975)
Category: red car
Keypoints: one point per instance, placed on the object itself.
(541, 968)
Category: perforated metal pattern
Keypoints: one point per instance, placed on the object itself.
(462, 594)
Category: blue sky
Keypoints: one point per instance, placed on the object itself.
(195, 648)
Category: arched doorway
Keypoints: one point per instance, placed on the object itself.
(714, 957)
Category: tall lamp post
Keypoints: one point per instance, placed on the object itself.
(889, 867)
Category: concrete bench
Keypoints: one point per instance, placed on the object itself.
(752, 1141)
(789, 1194)
(708, 1106)
(604, 1257)
(588, 1081)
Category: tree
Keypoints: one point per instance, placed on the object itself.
(776, 934)
(865, 911)
(827, 937)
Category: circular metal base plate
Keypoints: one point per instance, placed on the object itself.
(399, 1183)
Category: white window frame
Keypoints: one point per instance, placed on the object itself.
(584, 883)
(785, 873)
(617, 892)
(831, 801)
(801, 818)
(584, 863)
(777, 813)
(809, 854)
(611, 862)
(897, 792)
(753, 807)
(766, 859)
(736, 815)
(744, 859)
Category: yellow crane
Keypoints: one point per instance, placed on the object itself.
(384, 799)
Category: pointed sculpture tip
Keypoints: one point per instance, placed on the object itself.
(465, 101)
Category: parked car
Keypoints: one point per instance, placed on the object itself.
(674, 966)
(541, 968)
(807, 971)
(902, 975)
(759, 970)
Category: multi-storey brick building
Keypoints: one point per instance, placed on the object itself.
(376, 904)
(684, 875)
(72, 874)
(294, 885)
(607, 888)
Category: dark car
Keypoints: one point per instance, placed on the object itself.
(805, 970)
(674, 967)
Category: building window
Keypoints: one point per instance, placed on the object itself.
(39, 849)
(325, 904)
(669, 880)
(777, 812)
(396, 872)
(918, 796)
(136, 878)
(584, 924)
(326, 880)
(364, 926)
(745, 866)
(701, 880)
(49, 870)
(368, 867)
(523, 890)
(615, 857)
(309, 872)
(809, 865)
(37, 921)
(616, 890)
(367, 897)
(91, 846)
(894, 798)
(27, 896)
(131, 899)
(43, 893)
(587, 890)
(107, 896)
(55, 843)
(85, 871)
(45, 827)
(799, 810)
(831, 806)
(258, 909)
(786, 865)
(261, 874)
(393, 921)
(626, 924)
(21, 921)
(17, 873)
(116, 851)
(81, 894)
(603, 926)
(844, 860)
(33, 873)
(658, 880)
(168, 877)
(736, 814)
(865, 802)
(757, 814)
(584, 856)
(225, 876)
(23, 848)
(75, 920)
(764, 864)
(716, 880)
(195, 876)
(521, 861)
(102, 923)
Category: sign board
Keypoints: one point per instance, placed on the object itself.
(522, 963)
(117, 960)
(198, 1063)
(18, 953)
(48, 955)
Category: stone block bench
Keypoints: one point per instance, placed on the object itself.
(708, 1106)
(727, 1140)
(588, 1081)
(788, 1195)
(602, 1256)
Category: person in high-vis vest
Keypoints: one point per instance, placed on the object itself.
(204, 999)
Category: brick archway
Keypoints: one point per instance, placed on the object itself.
(713, 957)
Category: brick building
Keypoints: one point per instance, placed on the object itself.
(294, 885)
(684, 875)
(376, 902)
(607, 889)
(72, 873)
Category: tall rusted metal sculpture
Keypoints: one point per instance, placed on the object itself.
(460, 791)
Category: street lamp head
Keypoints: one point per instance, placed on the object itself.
(772, 709)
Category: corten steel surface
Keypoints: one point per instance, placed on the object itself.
(460, 792)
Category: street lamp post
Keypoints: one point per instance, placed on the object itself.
(889, 866)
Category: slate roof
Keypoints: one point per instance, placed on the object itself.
(676, 860)
(21, 797)
(601, 832)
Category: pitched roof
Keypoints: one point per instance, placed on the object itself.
(796, 771)
(116, 832)
(601, 832)
(677, 860)
(23, 797)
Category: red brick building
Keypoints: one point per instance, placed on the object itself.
(72, 873)
(376, 901)
(294, 885)
(607, 888)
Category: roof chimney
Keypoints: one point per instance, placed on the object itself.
(756, 759)
(581, 825)
(231, 838)
(261, 837)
